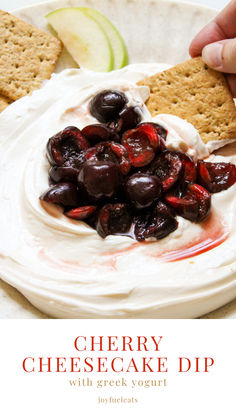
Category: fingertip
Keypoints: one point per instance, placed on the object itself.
(194, 50)
(212, 55)
(209, 34)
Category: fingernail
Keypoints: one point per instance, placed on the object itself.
(212, 55)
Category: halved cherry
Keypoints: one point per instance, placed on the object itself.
(165, 210)
(81, 213)
(141, 144)
(97, 133)
(158, 223)
(67, 147)
(167, 168)
(150, 130)
(216, 177)
(193, 204)
(110, 152)
(160, 227)
(188, 168)
(112, 219)
(161, 132)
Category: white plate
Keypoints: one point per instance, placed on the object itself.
(154, 31)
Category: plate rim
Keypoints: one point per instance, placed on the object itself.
(182, 3)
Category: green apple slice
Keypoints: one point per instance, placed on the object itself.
(117, 43)
(84, 38)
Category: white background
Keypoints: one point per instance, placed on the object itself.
(190, 395)
(49, 395)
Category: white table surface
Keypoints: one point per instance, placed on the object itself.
(9, 5)
(228, 311)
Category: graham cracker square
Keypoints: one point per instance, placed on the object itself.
(28, 56)
(196, 93)
(4, 102)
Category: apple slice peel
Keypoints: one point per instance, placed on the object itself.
(84, 38)
(116, 41)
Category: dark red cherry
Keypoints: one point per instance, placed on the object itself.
(67, 147)
(113, 219)
(161, 132)
(141, 144)
(163, 209)
(106, 105)
(150, 131)
(189, 172)
(81, 213)
(160, 227)
(193, 204)
(64, 193)
(100, 179)
(63, 174)
(167, 168)
(143, 189)
(129, 118)
(112, 152)
(97, 133)
(156, 224)
(216, 177)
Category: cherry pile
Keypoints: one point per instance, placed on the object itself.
(120, 177)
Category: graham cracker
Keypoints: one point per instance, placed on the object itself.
(196, 93)
(4, 102)
(27, 56)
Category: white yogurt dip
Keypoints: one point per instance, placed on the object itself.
(63, 266)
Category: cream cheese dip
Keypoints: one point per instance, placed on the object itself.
(63, 266)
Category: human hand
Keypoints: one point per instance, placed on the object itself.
(217, 44)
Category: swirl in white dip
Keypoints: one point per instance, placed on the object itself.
(62, 266)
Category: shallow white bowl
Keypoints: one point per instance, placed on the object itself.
(154, 31)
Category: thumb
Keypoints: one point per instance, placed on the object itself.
(221, 55)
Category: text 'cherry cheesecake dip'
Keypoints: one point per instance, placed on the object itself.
(109, 212)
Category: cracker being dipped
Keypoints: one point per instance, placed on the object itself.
(4, 102)
(196, 93)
